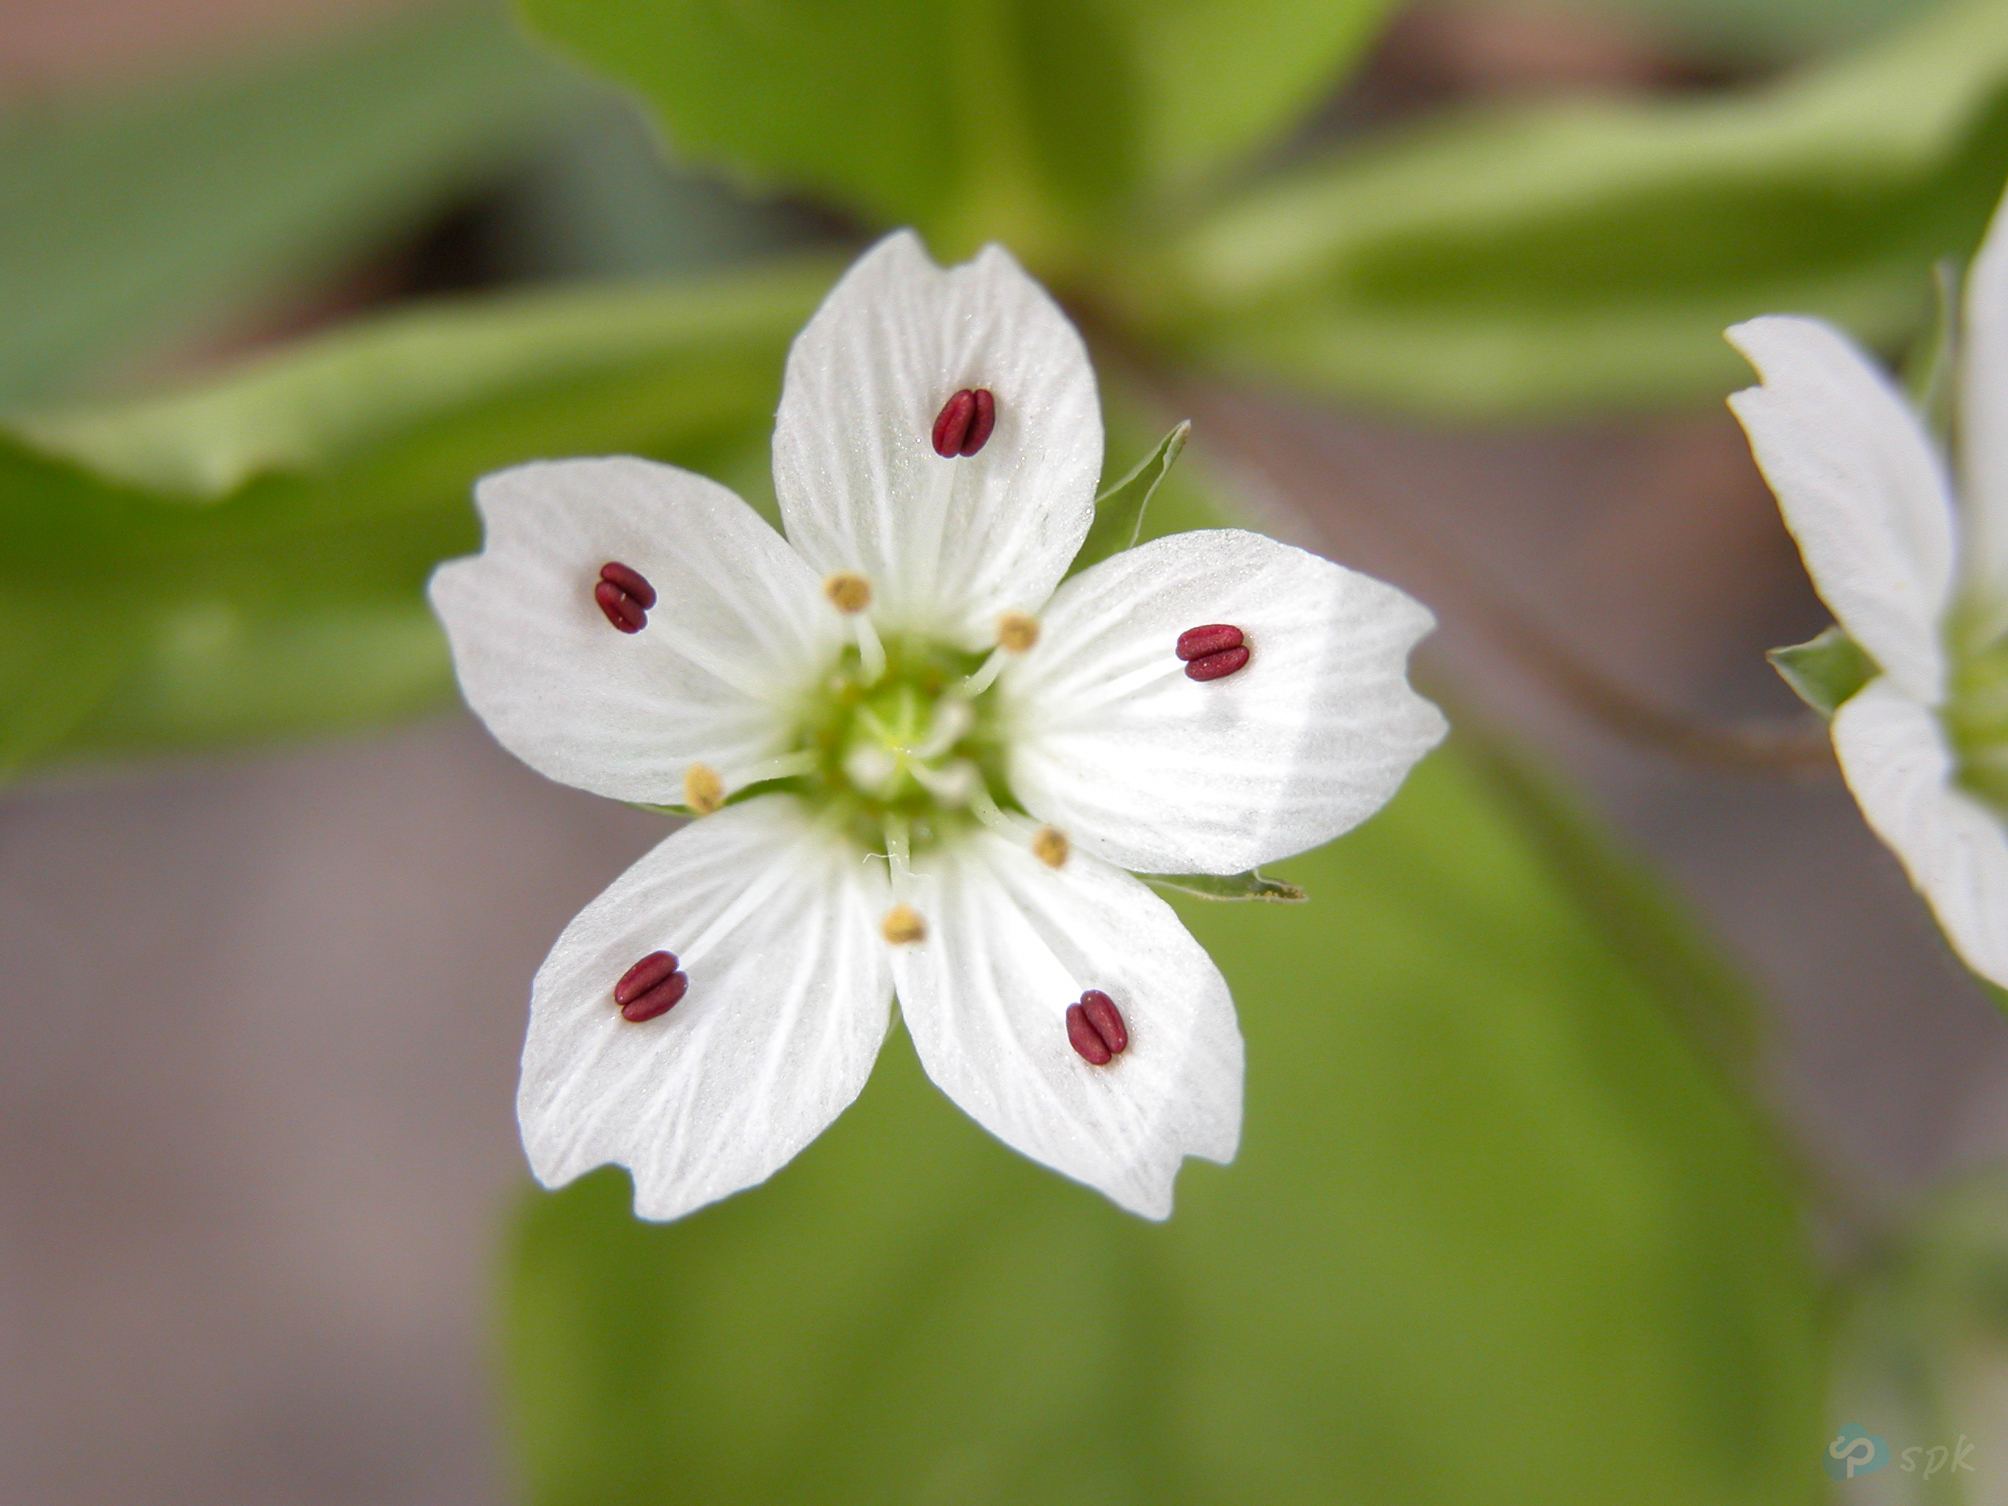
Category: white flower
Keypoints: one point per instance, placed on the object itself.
(1918, 578)
(925, 768)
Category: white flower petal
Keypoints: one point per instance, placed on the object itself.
(948, 545)
(739, 626)
(1861, 487)
(1894, 753)
(1157, 772)
(1010, 944)
(776, 924)
(1983, 427)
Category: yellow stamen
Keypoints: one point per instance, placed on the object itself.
(849, 592)
(903, 926)
(1016, 632)
(1051, 847)
(703, 790)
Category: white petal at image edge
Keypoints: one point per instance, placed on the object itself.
(1159, 773)
(776, 923)
(949, 545)
(1010, 944)
(1954, 847)
(739, 625)
(1861, 489)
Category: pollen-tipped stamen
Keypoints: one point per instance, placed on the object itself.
(1017, 632)
(1095, 1029)
(963, 426)
(651, 987)
(623, 596)
(1213, 651)
(903, 926)
(703, 790)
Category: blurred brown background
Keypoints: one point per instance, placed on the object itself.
(259, 1016)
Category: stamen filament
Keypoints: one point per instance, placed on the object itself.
(871, 652)
(951, 721)
(984, 678)
(781, 766)
(985, 809)
(898, 854)
(955, 784)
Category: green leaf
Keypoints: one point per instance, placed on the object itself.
(1119, 511)
(1825, 671)
(1496, 1233)
(247, 560)
(1767, 28)
(1013, 119)
(1249, 885)
(133, 223)
(1591, 253)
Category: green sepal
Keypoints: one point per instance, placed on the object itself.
(1931, 369)
(1119, 510)
(1249, 885)
(1825, 671)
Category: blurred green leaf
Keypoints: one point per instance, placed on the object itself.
(1824, 671)
(1495, 1234)
(1571, 255)
(1769, 27)
(247, 560)
(1007, 119)
(134, 222)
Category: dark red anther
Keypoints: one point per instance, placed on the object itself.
(1095, 1029)
(1215, 637)
(964, 424)
(1217, 666)
(651, 987)
(624, 596)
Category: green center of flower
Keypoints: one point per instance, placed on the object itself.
(915, 753)
(1976, 720)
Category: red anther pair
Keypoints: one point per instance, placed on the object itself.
(651, 987)
(624, 596)
(1095, 1029)
(1212, 652)
(965, 422)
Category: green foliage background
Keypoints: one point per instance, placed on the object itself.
(1505, 1226)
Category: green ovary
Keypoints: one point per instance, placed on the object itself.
(913, 751)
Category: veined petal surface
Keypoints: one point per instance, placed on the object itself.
(1861, 488)
(1159, 773)
(776, 923)
(740, 626)
(1983, 431)
(1010, 944)
(1954, 846)
(949, 545)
